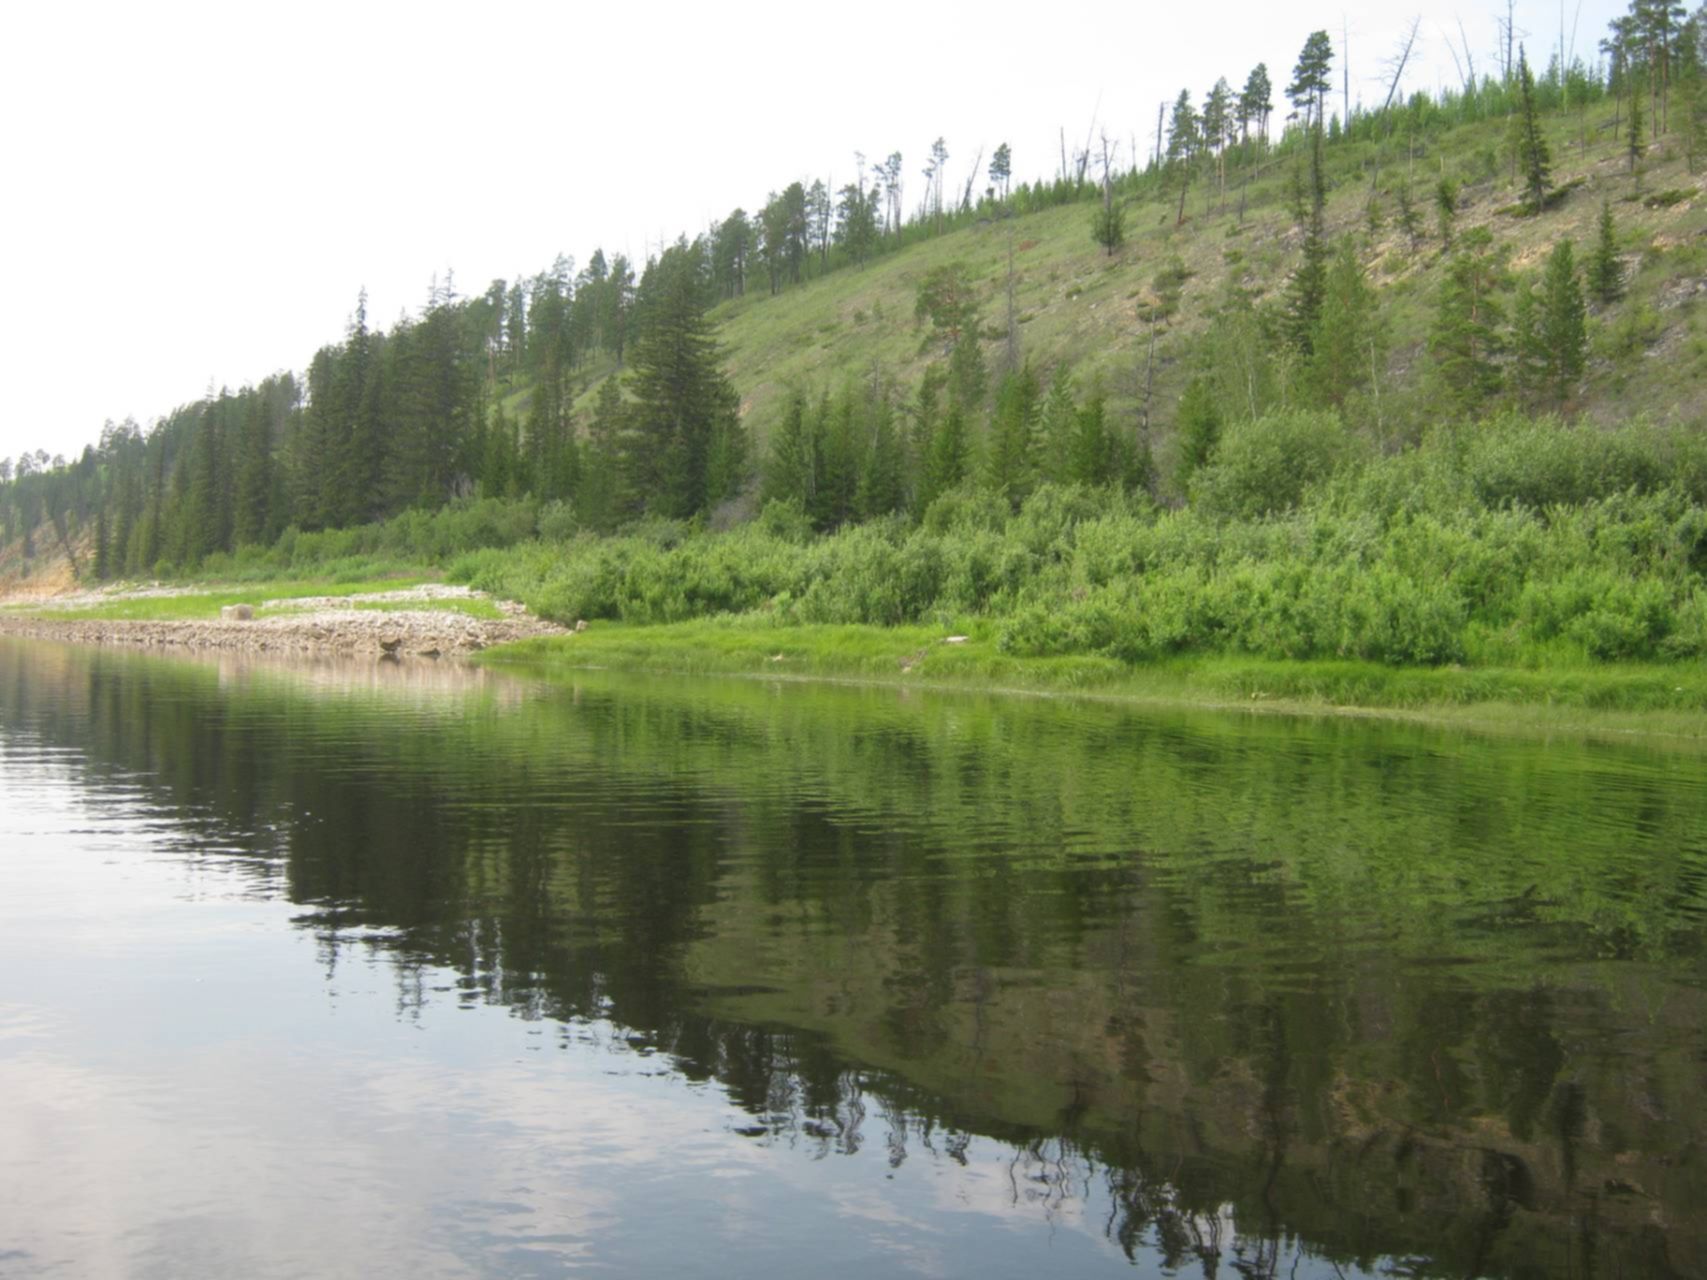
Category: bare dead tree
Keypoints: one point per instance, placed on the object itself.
(972, 177)
(1345, 69)
(1090, 133)
(1509, 36)
(1467, 67)
(1396, 64)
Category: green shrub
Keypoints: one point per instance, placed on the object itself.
(1264, 466)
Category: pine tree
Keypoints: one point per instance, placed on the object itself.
(1532, 156)
(1001, 170)
(1692, 88)
(1218, 112)
(1605, 272)
(1255, 102)
(1182, 146)
(1635, 142)
(1311, 79)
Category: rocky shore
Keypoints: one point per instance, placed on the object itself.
(303, 626)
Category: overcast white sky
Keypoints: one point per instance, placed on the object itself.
(194, 194)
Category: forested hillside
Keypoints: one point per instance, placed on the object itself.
(1284, 293)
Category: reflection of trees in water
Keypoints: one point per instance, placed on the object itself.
(565, 864)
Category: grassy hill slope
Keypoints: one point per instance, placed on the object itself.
(1077, 306)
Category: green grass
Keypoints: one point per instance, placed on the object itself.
(1629, 698)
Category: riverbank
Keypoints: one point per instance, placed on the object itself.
(388, 619)
(1662, 699)
(379, 620)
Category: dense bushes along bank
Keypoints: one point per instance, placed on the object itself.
(1516, 542)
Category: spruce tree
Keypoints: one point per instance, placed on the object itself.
(1347, 342)
(604, 498)
(881, 487)
(1526, 372)
(1108, 225)
(682, 399)
(1605, 272)
(103, 546)
(1564, 325)
(840, 478)
(252, 512)
(1308, 285)
(726, 469)
(947, 458)
(1409, 220)
(1532, 156)
(1466, 337)
(968, 375)
(1091, 457)
(791, 471)
(1060, 420)
(1009, 466)
(1446, 207)
(1197, 430)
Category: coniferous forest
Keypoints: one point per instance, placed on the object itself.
(1418, 382)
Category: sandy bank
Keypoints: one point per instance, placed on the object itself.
(301, 626)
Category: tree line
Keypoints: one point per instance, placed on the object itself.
(415, 416)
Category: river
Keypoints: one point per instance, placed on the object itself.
(321, 968)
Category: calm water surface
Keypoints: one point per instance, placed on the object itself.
(413, 970)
